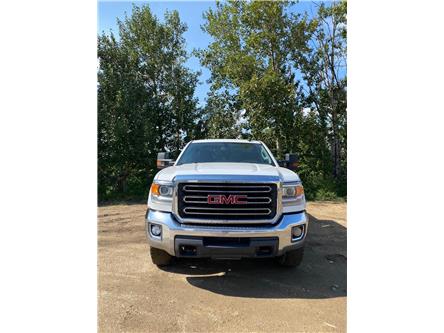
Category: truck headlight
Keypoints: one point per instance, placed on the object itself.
(162, 190)
(292, 191)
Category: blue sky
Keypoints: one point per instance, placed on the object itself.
(190, 12)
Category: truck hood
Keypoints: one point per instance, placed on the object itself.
(221, 169)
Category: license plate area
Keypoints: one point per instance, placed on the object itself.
(225, 247)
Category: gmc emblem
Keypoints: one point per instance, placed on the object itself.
(224, 200)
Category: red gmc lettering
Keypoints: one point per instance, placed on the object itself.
(224, 200)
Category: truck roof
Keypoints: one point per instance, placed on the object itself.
(226, 140)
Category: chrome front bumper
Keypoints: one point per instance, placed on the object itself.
(171, 228)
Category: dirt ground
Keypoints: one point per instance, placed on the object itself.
(220, 296)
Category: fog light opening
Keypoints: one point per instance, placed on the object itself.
(156, 230)
(297, 232)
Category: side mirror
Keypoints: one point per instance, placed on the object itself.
(164, 160)
(292, 161)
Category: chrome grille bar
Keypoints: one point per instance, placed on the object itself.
(227, 189)
(228, 186)
(231, 211)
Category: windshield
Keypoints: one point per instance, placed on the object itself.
(229, 152)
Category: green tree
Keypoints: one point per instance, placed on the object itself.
(145, 99)
(223, 115)
(283, 69)
(323, 64)
(249, 55)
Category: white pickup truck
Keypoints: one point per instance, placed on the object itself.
(226, 199)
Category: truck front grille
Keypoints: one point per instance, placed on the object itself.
(227, 201)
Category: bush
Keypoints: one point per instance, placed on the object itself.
(137, 186)
(325, 195)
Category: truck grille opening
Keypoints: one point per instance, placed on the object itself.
(227, 201)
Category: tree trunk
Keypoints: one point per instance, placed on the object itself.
(122, 182)
(335, 147)
(278, 149)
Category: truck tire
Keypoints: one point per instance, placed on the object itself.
(292, 258)
(160, 257)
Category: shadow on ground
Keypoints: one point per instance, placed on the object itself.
(322, 274)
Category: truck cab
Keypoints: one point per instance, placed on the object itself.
(226, 199)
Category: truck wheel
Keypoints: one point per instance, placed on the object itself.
(292, 258)
(160, 257)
